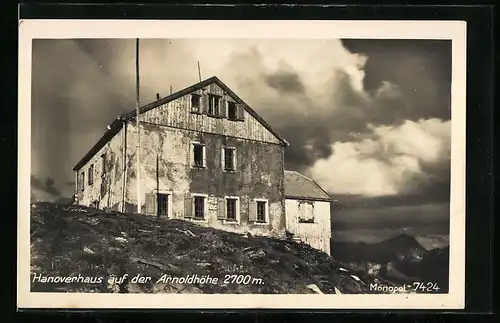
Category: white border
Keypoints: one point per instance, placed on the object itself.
(454, 30)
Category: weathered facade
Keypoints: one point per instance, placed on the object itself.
(307, 211)
(205, 156)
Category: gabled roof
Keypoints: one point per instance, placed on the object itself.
(298, 186)
(118, 122)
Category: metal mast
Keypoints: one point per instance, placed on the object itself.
(138, 127)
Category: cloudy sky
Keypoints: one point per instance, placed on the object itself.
(368, 119)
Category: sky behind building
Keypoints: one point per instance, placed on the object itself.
(369, 120)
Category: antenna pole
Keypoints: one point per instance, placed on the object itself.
(170, 89)
(199, 71)
(138, 126)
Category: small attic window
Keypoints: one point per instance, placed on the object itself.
(213, 104)
(195, 103)
(231, 111)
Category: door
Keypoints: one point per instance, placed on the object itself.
(162, 202)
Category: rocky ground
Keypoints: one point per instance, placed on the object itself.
(74, 241)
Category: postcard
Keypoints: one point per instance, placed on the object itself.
(241, 164)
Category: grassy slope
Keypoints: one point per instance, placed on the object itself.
(73, 240)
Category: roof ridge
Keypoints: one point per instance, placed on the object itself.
(120, 120)
(172, 96)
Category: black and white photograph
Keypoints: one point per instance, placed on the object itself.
(224, 166)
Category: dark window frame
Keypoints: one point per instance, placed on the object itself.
(230, 207)
(263, 205)
(214, 105)
(196, 108)
(233, 159)
(90, 175)
(313, 215)
(81, 180)
(103, 165)
(199, 207)
(162, 206)
(201, 154)
(232, 111)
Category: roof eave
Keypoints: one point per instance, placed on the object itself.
(113, 130)
(309, 198)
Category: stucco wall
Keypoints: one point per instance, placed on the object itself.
(259, 174)
(167, 134)
(107, 188)
(316, 234)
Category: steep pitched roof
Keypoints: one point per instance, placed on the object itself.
(299, 186)
(118, 122)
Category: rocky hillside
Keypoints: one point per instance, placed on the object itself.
(81, 249)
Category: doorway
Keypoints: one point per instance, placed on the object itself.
(162, 202)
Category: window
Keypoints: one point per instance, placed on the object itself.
(195, 103)
(213, 104)
(229, 161)
(231, 111)
(306, 212)
(81, 181)
(199, 207)
(261, 211)
(162, 204)
(231, 209)
(198, 155)
(91, 175)
(103, 164)
(158, 204)
(195, 206)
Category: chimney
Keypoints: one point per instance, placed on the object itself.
(157, 96)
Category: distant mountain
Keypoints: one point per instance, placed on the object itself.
(400, 247)
(401, 260)
(432, 268)
(64, 200)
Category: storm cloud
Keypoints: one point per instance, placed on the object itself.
(44, 189)
(367, 118)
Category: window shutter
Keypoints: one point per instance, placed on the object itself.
(150, 204)
(253, 211)
(240, 110)
(221, 212)
(204, 102)
(204, 156)
(188, 207)
(191, 154)
(222, 158)
(235, 164)
(154, 201)
(223, 107)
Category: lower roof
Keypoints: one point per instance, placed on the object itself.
(298, 186)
